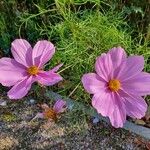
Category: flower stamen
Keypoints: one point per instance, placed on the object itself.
(33, 70)
(114, 85)
(50, 114)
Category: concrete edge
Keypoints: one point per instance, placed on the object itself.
(137, 129)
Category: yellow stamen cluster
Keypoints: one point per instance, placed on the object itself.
(50, 114)
(114, 85)
(33, 70)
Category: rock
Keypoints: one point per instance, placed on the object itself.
(32, 101)
(96, 120)
(3, 103)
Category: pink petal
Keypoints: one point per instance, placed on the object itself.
(59, 106)
(103, 102)
(11, 72)
(48, 78)
(93, 83)
(22, 51)
(44, 106)
(56, 68)
(135, 106)
(104, 66)
(138, 85)
(131, 67)
(42, 53)
(118, 117)
(38, 115)
(118, 56)
(20, 89)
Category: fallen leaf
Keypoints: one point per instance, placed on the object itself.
(63, 84)
(140, 122)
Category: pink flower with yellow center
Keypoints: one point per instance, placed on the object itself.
(118, 86)
(27, 67)
(51, 114)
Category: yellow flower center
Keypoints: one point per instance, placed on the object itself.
(114, 85)
(50, 114)
(33, 70)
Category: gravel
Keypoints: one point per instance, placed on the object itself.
(18, 132)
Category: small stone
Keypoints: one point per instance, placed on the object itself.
(96, 120)
(32, 101)
(3, 103)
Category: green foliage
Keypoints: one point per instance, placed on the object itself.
(8, 117)
(80, 29)
(136, 12)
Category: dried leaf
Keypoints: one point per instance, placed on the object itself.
(140, 122)
(63, 83)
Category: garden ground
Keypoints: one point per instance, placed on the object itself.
(18, 131)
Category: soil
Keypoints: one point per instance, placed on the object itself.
(19, 132)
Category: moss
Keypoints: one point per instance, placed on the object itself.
(8, 117)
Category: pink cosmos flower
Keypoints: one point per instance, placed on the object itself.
(52, 113)
(118, 86)
(27, 67)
